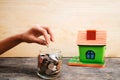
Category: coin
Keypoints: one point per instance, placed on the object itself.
(59, 65)
(55, 62)
(56, 72)
(51, 66)
(53, 57)
(48, 72)
(54, 68)
(40, 60)
(43, 68)
(47, 57)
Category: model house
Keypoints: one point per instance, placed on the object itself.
(92, 45)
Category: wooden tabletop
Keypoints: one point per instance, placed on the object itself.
(26, 68)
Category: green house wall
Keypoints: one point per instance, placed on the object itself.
(98, 50)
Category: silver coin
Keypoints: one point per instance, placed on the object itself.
(51, 66)
(53, 57)
(54, 68)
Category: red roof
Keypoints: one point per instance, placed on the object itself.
(91, 37)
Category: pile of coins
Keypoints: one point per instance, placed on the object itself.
(49, 64)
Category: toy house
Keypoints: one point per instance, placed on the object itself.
(92, 45)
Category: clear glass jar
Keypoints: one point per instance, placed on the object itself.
(49, 63)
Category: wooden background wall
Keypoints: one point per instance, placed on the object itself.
(65, 17)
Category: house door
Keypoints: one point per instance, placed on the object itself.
(90, 54)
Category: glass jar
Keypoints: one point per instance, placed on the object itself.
(49, 63)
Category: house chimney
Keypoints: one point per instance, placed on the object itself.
(91, 35)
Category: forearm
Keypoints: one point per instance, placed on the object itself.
(30, 36)
(9, 43)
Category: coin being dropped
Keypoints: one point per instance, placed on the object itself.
(51, 66)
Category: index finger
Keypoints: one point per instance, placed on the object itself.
(43, 32)
(49, 31)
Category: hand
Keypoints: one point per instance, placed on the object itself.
(33, 34)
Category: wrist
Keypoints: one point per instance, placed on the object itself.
(18, 38)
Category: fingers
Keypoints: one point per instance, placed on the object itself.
(49, 31)
(46, 32)
(40, 41)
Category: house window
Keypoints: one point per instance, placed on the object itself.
(90, 54)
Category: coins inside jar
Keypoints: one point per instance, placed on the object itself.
(49, 64)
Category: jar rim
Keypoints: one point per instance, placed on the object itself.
(50, 51)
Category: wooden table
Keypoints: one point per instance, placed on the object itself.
(25, 69)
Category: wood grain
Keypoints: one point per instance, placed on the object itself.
(66, 18)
